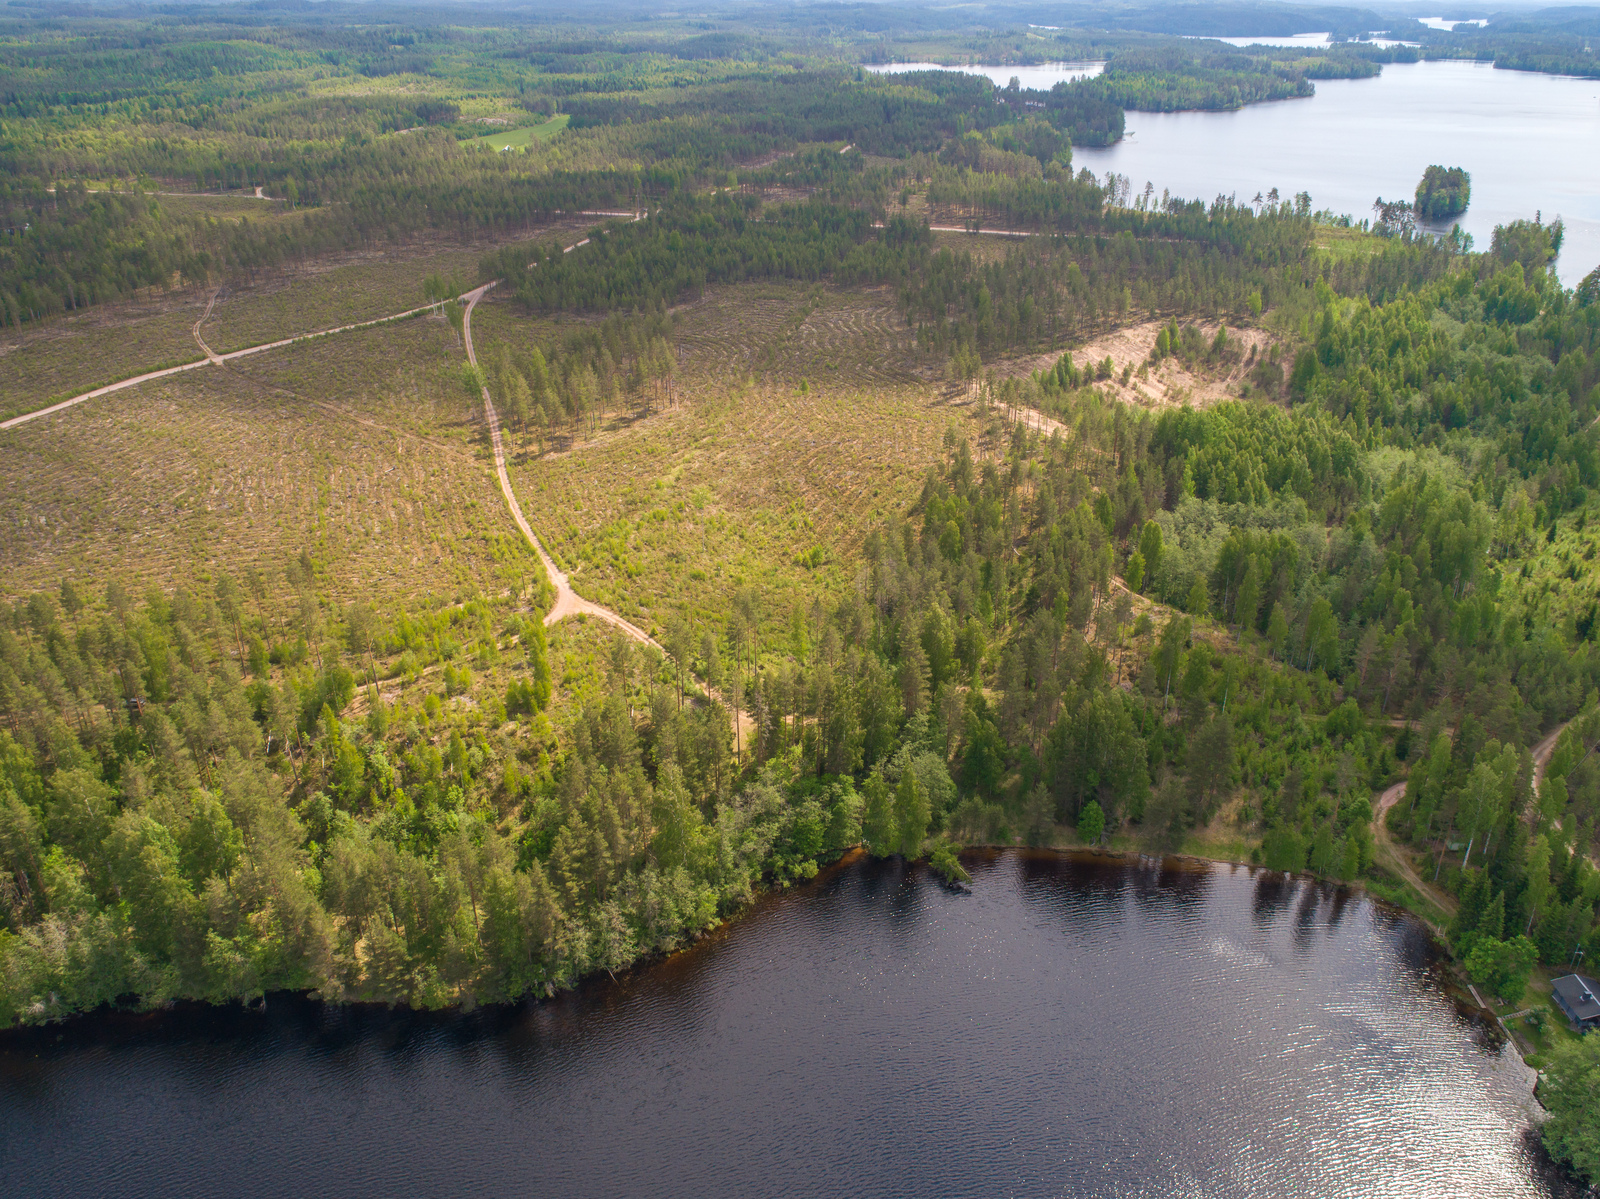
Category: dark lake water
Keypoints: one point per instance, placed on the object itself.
(1531, 143)
(1088, 1027)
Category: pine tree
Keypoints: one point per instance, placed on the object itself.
(1150, 547)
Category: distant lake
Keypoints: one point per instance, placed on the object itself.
(1306, 41)
(1530, 141)
(1040, 77)
(1073, 1026)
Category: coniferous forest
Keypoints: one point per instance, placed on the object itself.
(1328, 607)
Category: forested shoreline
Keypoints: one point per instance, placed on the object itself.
(174, 829)
(1363, 555)
(99, 118)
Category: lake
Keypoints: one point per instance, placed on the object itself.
(1303, 41)
(1531, 143)
(1073, 1026)
(1039, 78)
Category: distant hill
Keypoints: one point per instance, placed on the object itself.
(1573, 19)
(1214, 20)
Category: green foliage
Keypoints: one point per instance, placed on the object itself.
(1588, 292)
(1443, 193)
(1133, 573)
(1087, 118)
(910, 815)
(1146, 254)
(690, 243)
(1091, 823)
(878, 826)
(1530, 244)
(1567, 1087)
(944, 861)
(1502, 966)
(1284, 849)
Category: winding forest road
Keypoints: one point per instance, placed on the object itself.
(211, 355)
(1396, 859)
(1393, 857)
(568, 602)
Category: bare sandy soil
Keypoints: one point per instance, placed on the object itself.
(1168, 384)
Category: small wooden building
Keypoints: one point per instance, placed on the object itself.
(1579, 998)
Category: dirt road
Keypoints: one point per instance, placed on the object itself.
(568, 602)
(1542, 752)
(1391, 855)
(211, 359)
(211, 355)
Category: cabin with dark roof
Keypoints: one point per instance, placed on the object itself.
(1579, 998)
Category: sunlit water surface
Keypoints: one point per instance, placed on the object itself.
(1039, 78)
(1531, 143)
(1087, 1027)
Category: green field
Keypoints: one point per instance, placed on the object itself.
(521, 139)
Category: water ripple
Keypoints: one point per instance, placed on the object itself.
(1072, 1027)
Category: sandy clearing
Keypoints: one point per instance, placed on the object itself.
(1170, 384)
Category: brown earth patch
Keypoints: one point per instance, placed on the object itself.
(1167, 384)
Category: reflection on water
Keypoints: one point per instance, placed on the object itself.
(1304, 41)
(1071, 1026)
(1307, 41)
(1040, 77)
(1531, 143)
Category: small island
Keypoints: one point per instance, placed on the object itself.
(1443, 194)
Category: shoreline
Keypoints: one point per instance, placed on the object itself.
(725, 926)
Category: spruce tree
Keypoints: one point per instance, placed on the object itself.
(910, 814)
(877, 818)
